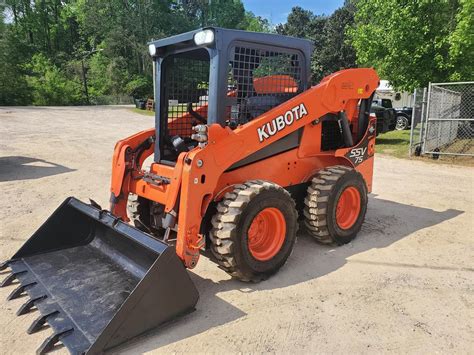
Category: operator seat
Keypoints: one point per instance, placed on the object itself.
(270, 91)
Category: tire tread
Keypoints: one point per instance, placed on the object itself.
(226, 220)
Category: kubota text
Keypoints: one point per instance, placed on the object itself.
(277, 124)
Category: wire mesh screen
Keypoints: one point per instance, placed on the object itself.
(259, 80)
(185, 92)
(450, 122)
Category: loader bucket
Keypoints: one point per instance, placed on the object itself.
(96, 281)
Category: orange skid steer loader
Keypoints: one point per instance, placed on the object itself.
(241, 144)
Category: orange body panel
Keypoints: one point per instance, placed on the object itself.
(194, 185)
(275, 84)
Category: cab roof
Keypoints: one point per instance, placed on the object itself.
(223, 38)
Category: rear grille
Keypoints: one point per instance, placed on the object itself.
(331, 137)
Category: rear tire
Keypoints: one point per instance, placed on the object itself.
(336, 204)
(402, 123)
(418, 150)
(254, 230)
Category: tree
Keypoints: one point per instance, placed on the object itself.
(14, 88)
(298, 24)
(255, 23)
(332, 50)
(411, 43)
(461, 43)
(335, 51)
(222, 13)
(51, 85)
(44, 46)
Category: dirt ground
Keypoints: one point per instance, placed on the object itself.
(404, 285)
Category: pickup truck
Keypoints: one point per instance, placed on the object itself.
(403, 118)
(402, 115)
(386, 115)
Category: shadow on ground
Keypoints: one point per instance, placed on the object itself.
(390, 140)
(386, 223)
(25, 168)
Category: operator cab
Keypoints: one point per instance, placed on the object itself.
(216, 75)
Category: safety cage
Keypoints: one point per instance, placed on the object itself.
(185, 92)
(216, 75)
(259, 79)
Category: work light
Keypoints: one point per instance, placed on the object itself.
(204, 37)
(152, 49)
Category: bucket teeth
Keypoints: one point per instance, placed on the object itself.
(39, 322)
(51, 341)
(99, 281)
(19, 290)
(26, 307)
(10, 278)
(4, 265)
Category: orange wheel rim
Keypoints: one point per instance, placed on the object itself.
(266, 234)
(348, 208)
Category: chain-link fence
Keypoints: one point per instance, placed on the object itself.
(449, 124)
(418, 121)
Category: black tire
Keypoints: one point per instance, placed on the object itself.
(418, 150)
(140, 214)
(229, 235)
(402, 123)
(321, 204)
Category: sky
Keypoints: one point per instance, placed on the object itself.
(276, 11)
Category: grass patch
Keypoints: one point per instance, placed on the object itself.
(143, 112)
(395, 143)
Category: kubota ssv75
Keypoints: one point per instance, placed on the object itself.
(243, 147)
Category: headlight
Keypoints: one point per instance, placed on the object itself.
(152, 49)
(204, 37)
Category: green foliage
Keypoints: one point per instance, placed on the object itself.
(255, 23)
(201, 13)
(298, 23)
(461, 43)
(14, 88)
(50, 85)
(414, 42)
(139, 87)
(277, 65)
(332, 49)
(43, 49)
(336, 52)
(50, 47)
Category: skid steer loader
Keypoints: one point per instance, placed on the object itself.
(241, 144)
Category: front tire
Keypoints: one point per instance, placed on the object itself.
(142, 214)
(335, 205)
(254, 230)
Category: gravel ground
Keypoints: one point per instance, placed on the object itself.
(405, 285)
